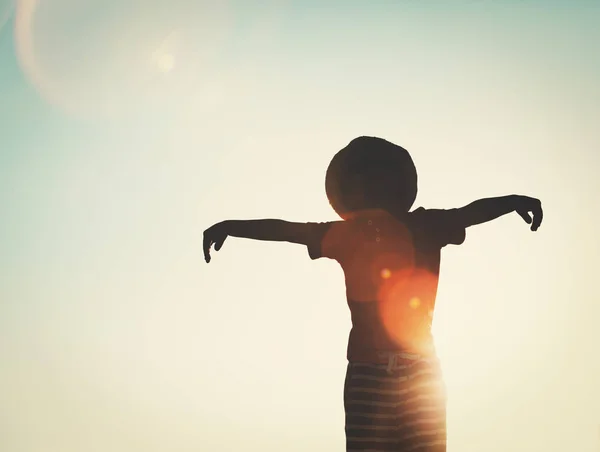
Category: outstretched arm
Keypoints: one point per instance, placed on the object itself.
(484, 210)
(270, 230)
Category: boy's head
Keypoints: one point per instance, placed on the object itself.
(371, 173)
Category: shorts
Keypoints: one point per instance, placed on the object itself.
(399, 407)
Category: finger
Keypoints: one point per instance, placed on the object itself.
(219, 243)
(538, 215)
(525, 215)
(207, 242)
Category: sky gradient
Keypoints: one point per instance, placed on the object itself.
(128, 127)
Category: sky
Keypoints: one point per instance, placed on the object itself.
(129, 127)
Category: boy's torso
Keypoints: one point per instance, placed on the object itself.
(391, 269)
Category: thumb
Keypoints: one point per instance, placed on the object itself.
(219, 242)
(525, 215)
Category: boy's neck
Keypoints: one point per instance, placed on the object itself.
(377, 213)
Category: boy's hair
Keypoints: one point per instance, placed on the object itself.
(371, 173)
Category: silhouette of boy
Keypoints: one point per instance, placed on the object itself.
(394, 397)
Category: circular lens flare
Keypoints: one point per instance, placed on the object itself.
(107, 58)
(6, 11)
(406, 306)
(414, 302)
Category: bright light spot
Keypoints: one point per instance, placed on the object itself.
(125, 50)
(386, 273)
(164, 56)
(165, 62)
(414, 303)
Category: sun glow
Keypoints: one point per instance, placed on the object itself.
(414, 302)
(116, 335)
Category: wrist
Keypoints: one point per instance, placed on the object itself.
(226, 226)
(516, 200)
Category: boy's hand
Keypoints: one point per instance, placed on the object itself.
(527, 205)
(215, 235)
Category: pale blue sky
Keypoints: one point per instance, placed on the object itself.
(125, 131)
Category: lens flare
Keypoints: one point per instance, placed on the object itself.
(406, 303)
(164, 56)
(109, 58)
(6, 10)
(165, 62)
(414, 302)
(369, 266)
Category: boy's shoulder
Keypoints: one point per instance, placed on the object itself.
(428, 228)
(419, 215)
(440, 226)
(422, 211)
